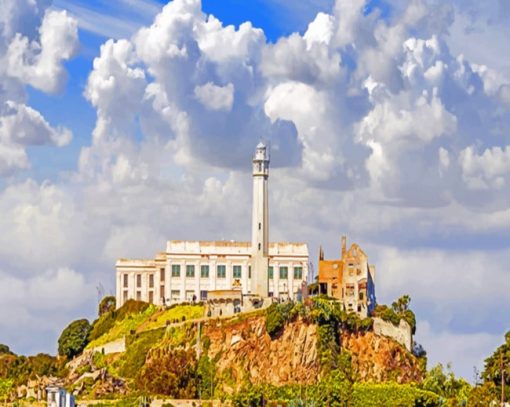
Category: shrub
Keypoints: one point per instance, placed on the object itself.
(102, 325)
(74, 338)
(172, 373)
(107, 304)
(136, 352)
(4, 349)
(131, 307)
(274, 321)
(392, 394)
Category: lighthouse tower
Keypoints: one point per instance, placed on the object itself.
(260, 223)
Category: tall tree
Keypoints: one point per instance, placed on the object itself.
(74, 338)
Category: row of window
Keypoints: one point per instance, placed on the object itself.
(221, 272)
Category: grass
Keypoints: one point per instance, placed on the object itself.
(148, 320)
(123, 327)
(175, 313)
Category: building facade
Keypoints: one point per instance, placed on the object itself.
(350, 279)
(189, 270)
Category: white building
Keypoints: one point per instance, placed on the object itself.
(188, 270)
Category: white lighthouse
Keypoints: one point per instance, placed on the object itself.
(260, 222)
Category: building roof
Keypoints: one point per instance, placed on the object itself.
(232, 247)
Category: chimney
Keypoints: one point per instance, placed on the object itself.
(321, 254)
(344, 245)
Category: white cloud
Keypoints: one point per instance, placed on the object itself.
(488, 170)
(34, 44)
(39, 63)
(215, 97)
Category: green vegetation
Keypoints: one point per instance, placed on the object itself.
(107, 304)
(172, 373)
(175, 314)
(399, 310)
(6, 387)
(392, 394)
(124, 324)
(4, 349)
(454, 391)
(74, 338)
(137, 316)
(498, 362)
(20, 369)
(138, 347)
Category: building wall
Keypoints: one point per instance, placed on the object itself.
(349, 279)
(402, 333)
(168, 289)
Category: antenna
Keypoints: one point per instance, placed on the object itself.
(100, 292)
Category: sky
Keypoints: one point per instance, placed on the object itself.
(125, 124)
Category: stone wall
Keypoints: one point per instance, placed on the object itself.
(117, 346)
(402, 333)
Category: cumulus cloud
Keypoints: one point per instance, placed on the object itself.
(215, 97)
(34, 43)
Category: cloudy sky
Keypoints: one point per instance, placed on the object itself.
(124, 124)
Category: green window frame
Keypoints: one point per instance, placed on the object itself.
(190, 270)
(176, 270)
(204, 271)
(237, 271)
(221, 271)
(284, 272)
(270, 272)
(298, 272)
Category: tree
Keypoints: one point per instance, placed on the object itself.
(74, 338)
(498, 363)
(4, 349)
(107, 304)
(401, 305)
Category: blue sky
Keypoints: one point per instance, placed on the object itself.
(389, 122)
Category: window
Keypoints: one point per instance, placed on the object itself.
(151, 297)
(298, 273)
(203, 294)
(125, 280)
(162, 291)
(161, 274)
(138, 296)
(221, 271)
(259, 246)
(359, 308)
(361, 295)
(204, 271)
(151, 280)
(260, 225)
(284, 272)
(176, 270)
(237, 272)
(190, 270)
(125, 296)
(138, 280)
(249, 271)
(176, 295)
(270, 272)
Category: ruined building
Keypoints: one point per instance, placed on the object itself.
(350, 279)
(194, 270)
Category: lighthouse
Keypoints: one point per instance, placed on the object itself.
(260, 222)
